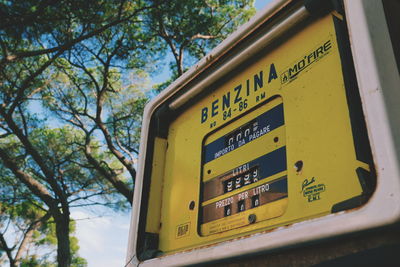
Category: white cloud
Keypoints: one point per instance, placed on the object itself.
(102, 240)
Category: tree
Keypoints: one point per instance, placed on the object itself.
(34, 35)
(20, 219)
(75, 186)
(93, 92)
(86, 62)
(27, 235)
(25, 222)
(193, 27)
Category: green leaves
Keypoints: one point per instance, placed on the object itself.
(75, 76)
(194, 27)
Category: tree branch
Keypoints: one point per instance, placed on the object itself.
(8, 250)
(25, 84)
(202, 36)
(109, 175)
(37, 188)
(28, 234)
(71, 43)
(27, 144)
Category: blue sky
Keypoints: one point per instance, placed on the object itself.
(261, 3)
(103, 240)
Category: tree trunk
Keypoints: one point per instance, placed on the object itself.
(63, 242)
(4, 247)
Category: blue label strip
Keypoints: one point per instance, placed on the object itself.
(246, 133)
(279, 186)
(271, 163)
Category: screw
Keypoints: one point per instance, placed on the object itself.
(252, 218)
(192, 205)
(298, 165)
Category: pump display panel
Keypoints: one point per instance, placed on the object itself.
(279, 140)
(256, 189)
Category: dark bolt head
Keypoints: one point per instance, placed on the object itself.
(252, 218)
(192, 205)
(298, 165)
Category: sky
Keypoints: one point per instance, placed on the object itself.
(103, 240)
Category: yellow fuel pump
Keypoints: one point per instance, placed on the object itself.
(262, 143)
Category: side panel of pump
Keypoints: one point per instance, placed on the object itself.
(270, 146)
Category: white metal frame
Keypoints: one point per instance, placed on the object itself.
(379, 85)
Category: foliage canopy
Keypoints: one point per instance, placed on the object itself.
(74, 79)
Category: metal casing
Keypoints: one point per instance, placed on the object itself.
(316, 131)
